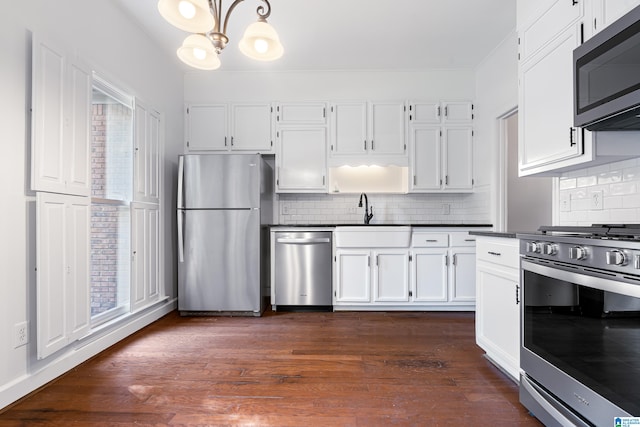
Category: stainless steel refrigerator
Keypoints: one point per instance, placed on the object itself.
(224, 208)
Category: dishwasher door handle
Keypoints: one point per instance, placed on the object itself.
(303, 241)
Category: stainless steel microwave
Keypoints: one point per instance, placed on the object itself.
(606, 71)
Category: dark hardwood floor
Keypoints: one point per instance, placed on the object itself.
(285, 369)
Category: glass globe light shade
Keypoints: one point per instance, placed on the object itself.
(198, 52)
(188, 15)
(261, 42)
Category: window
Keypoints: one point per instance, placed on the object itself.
(111, 196)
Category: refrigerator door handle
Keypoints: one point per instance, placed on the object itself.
(180, 221)
(180, 181)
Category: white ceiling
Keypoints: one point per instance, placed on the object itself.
(356, 34)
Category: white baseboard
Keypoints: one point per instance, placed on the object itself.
(72, 357)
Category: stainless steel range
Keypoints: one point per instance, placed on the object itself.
(580, 320)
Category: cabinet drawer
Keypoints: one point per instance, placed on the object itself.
(462, 239)
(499, 251)
(430, 240)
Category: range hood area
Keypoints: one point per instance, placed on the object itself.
(369, 179)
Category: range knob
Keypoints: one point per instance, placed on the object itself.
(616, 257)
(534, 247)
(577, 252)
(549, 249)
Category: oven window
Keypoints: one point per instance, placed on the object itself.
(592, 335)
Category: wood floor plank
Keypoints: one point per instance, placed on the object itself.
(285, 369)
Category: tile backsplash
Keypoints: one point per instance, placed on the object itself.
(387, 208)
(603, 194)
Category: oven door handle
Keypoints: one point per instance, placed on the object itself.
(595, 282)
(561, 417)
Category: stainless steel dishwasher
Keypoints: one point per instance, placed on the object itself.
(302, 263)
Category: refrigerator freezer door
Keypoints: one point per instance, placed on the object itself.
(220, 181)
(221, 267)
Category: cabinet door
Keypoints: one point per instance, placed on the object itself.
(497, 315)
(77, 129)
(421, 113)
(251, 127)
(463, 274)
(387, 124)
(207, 127)
(301, 163)
(61, 103)
(62, 274)
(152, 253)
(146, 154)
(458, 158)
(457, 112)
(301, 113)
(429, 275)
(549, 21)
(153, 157)
(426, 146)
(391, 276)
(349, 128)
(545, 127)
(49, 65)
(353, 275)
(607, 11)
(138, 270)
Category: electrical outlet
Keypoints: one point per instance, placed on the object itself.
(446, 209)
(565, 202)
(21, 334)
(597, 201)
(285, 208)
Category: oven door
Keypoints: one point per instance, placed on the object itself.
(581, 340)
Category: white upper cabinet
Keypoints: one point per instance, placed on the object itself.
(251, 127)
(301, 160)
(224, 127)
(301, 113)
(607, 11)
(441, 153)
(301, 153)
(368, 132)
(547, 139)
(61, 121)
(147, 154)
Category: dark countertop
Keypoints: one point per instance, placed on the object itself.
(387, 225)
(504, 234)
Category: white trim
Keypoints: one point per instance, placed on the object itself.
(75, 355)
(501, 171)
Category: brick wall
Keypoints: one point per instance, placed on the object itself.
(111, 172)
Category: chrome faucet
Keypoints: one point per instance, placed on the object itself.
(368, 212)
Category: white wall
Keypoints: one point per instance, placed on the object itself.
(496, 83)
(113, 45)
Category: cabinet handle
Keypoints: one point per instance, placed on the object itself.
(232, 141)
(446, 180)
(494, 253)
(571, 141)
(431, 240)
(454, 261)
(225, 141)
(365, 145)
(414, 180)
(372, 147)
(368, 260)
(323, 178)
(469, 240)
(377, 260)
(517, 294)
(438, 111)
(446, 111)
(446, 260)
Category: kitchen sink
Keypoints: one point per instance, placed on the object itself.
(379, 236)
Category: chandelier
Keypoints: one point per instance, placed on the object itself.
(205, 19)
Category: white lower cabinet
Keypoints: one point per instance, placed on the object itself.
(353, 271)
(391, 275)
(498, 302)
(428, 273)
